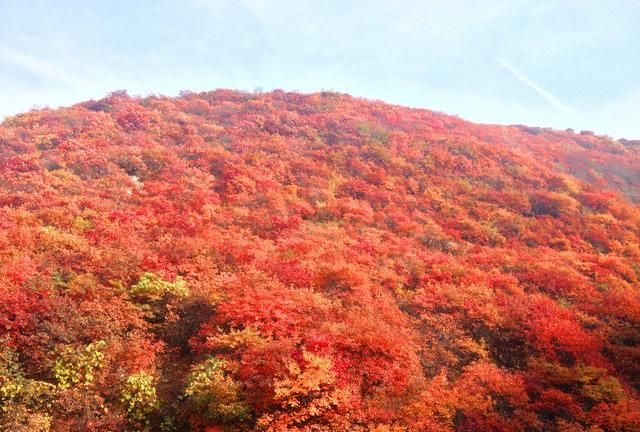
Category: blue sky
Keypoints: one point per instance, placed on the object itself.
(546, 63)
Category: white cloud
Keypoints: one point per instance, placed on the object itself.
(545, 94)
(37, 66)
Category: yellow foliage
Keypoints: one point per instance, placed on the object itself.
(152, 286)
(235, 339)
(75, 366)
(214, 394)
(139, 397)
(23, 401)
(306, 396)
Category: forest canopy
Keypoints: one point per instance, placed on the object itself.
(228, 261)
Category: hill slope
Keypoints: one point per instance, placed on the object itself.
(232, 261)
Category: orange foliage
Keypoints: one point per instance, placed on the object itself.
(313, 263)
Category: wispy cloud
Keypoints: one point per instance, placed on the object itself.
(61, 79)
(38, 67)
(545, 94)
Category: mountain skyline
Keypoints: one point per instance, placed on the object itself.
(229, 261)
(550, 63)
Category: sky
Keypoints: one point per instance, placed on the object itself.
(549, 63)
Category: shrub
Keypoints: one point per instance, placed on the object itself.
(75, 366)
(151, 286)
(215, 395)
(139, 397)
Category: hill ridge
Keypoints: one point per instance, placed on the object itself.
(277, 261)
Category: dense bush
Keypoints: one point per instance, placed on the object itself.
(277, 261)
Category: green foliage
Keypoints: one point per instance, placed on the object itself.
(23, 401)
(592, 383)
(152, 286)
(60, 281)
(11, 379)
(375, 132)
(82, 224)
(78, 365)
(599, 387)
(215, 395)
(139, 397)
(168, 424)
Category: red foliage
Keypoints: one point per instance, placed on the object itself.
(339, 264)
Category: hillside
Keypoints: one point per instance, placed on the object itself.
(287, 262)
